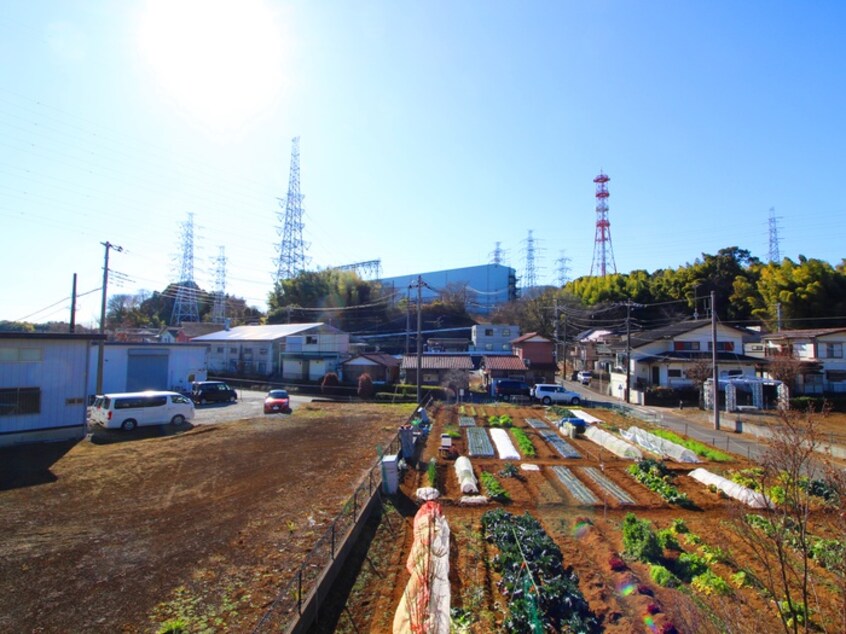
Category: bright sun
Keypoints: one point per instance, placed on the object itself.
(221, 61)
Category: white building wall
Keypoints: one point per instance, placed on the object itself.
(184, 360)
(61, 373)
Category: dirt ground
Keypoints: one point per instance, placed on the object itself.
(588, 537)
(206, 524)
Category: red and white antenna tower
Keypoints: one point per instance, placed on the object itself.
(603, 253)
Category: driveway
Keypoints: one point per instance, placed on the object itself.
(250, 404)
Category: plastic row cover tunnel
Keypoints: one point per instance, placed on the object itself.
(658, 445)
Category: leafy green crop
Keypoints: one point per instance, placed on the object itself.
(493, 487)
(655, 476)
(524, 442)
(696, 447)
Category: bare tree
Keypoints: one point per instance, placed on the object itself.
(778, 536)
(785, 367)
(699, 372)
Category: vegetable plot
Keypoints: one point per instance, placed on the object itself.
(537, 423)
(542, 595)
(466, 421)
(608, 485)
(575, 486)
(562, 447)
(504, 446)
(478, 442)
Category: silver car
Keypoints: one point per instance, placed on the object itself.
(548, 393)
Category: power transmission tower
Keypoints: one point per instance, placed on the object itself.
(292, 248)
(563, 268)
(185, 306)
(774, 255)
(497, 255)
(530, 272)
(219, 307)
(603, 252)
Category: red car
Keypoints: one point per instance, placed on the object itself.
(277, 401)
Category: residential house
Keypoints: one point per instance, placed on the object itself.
(668, 356)
(821, 365)
(294, 352)
(43, 386)
(495, 367)
(537, 353)
(435, 368)
(493, 338)
(382, 368)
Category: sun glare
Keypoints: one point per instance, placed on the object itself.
(221, 62)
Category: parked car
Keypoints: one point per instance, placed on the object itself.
(584, 377)
(506, 389)
(213, 392)
(548, 393)
(128, 410)
(277, 401)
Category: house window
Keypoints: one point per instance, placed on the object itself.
(488, 346)
(506, 332)
(248, 352)
(834, 350)
(735, 373)
(262, 350)
(674, 374)
(233, 350)
(836, 376)
(20, 400)
(722, 346)
(686, 345)
(489, 332)
(220, 349)
(311, 340)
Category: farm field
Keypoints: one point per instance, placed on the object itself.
(585, 519)
(205, 525)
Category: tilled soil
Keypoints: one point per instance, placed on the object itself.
(205, 525)
(624, 600)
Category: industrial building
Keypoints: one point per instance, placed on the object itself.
(486, 286)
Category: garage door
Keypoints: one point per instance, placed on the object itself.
(147, 370)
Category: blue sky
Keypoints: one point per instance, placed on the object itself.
(429, 131)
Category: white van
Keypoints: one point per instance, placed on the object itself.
(129, 410)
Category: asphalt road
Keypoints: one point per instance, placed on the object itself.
(250, 404)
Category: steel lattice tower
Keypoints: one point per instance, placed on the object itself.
(530, 274)
(185, 306)
(219, 307)
(498, 255)
(563, 270)
(292, 248)
(603, 253)
(774, 255)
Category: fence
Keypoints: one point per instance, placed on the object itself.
(298, 602)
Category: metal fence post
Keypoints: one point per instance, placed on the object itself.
(300, 592)
(333, 540)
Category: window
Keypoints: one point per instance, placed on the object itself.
(735, 373)
(488, 346)
(489, 332)
(506, 332)
(834, 350)
(233, 350)
(20, 400)
(20, 355)
(248, 352)
(674, 374)
(220, 349)
(140, 401)
(836, 376)
(722, 346)
(686, 345)
(262, 350)
(311, 340)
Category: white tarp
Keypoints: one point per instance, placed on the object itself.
(732, 489)
(585, 416)
(424, 606)
(504, 446)
(464, 472)
(612, 443)
(658, 445)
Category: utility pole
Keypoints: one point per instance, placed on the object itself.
(628, 347)
(714, 373)
(556, 343)
(419, 340)
(101, 344)
(408, 319)
(72, 327)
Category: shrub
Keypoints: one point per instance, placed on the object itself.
(678, 526)
(639, 541)
(365, 386)
(663, 577)
(330, 383)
